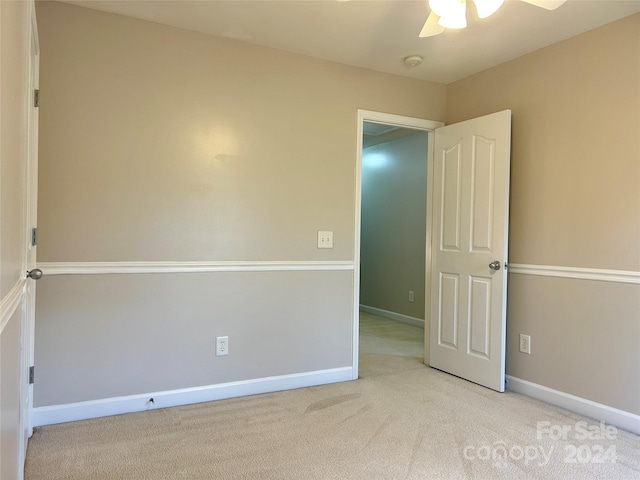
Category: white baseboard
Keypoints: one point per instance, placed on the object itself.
(625, 420)
(398, 317)
(136, 403)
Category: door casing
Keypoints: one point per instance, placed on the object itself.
(405, 122)
(30, 215)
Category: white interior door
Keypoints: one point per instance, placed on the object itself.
(469, 249)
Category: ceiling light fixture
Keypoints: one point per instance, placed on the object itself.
(453, 13)
(486, 8)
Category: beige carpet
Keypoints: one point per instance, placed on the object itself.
(401, 420)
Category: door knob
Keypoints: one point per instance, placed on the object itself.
(35, 274)
(495, 265)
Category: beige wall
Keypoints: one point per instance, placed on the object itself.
(159, 144)
(393, 226)
(575, 201)
(584, 337)
(12, 147)
(163, 144)
(14, 56)
(118, 335)
(575, 171)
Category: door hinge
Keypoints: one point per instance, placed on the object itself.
(36, 98)
(31, 373)
(34, 237)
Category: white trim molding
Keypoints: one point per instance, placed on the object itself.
(137, 403)
(617, 276)
(105, 268)
(10, 303)
(625, 420)
(398, 317)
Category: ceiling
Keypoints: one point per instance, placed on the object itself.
(376, 133)
(378, 34)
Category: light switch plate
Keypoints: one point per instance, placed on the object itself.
(325, 239)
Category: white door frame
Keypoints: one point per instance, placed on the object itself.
(405, 122)
(30, 216)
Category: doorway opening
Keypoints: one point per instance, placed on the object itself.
(393, 240)
(392, 236)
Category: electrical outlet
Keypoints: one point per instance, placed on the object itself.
(411, 296)
(222, 346)
(525, 344)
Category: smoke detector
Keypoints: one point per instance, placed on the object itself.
(412, 61)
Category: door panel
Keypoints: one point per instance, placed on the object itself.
(470, 207)
(482, 194)
(450, 218)
(448, 315)
(480, 316)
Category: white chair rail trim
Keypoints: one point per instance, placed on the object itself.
(616, 276)
(103, 268)
(10, 303)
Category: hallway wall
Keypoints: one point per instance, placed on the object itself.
(394, 212)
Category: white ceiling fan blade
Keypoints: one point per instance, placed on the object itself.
(548, 4)
(486, 8)
(431, 26)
